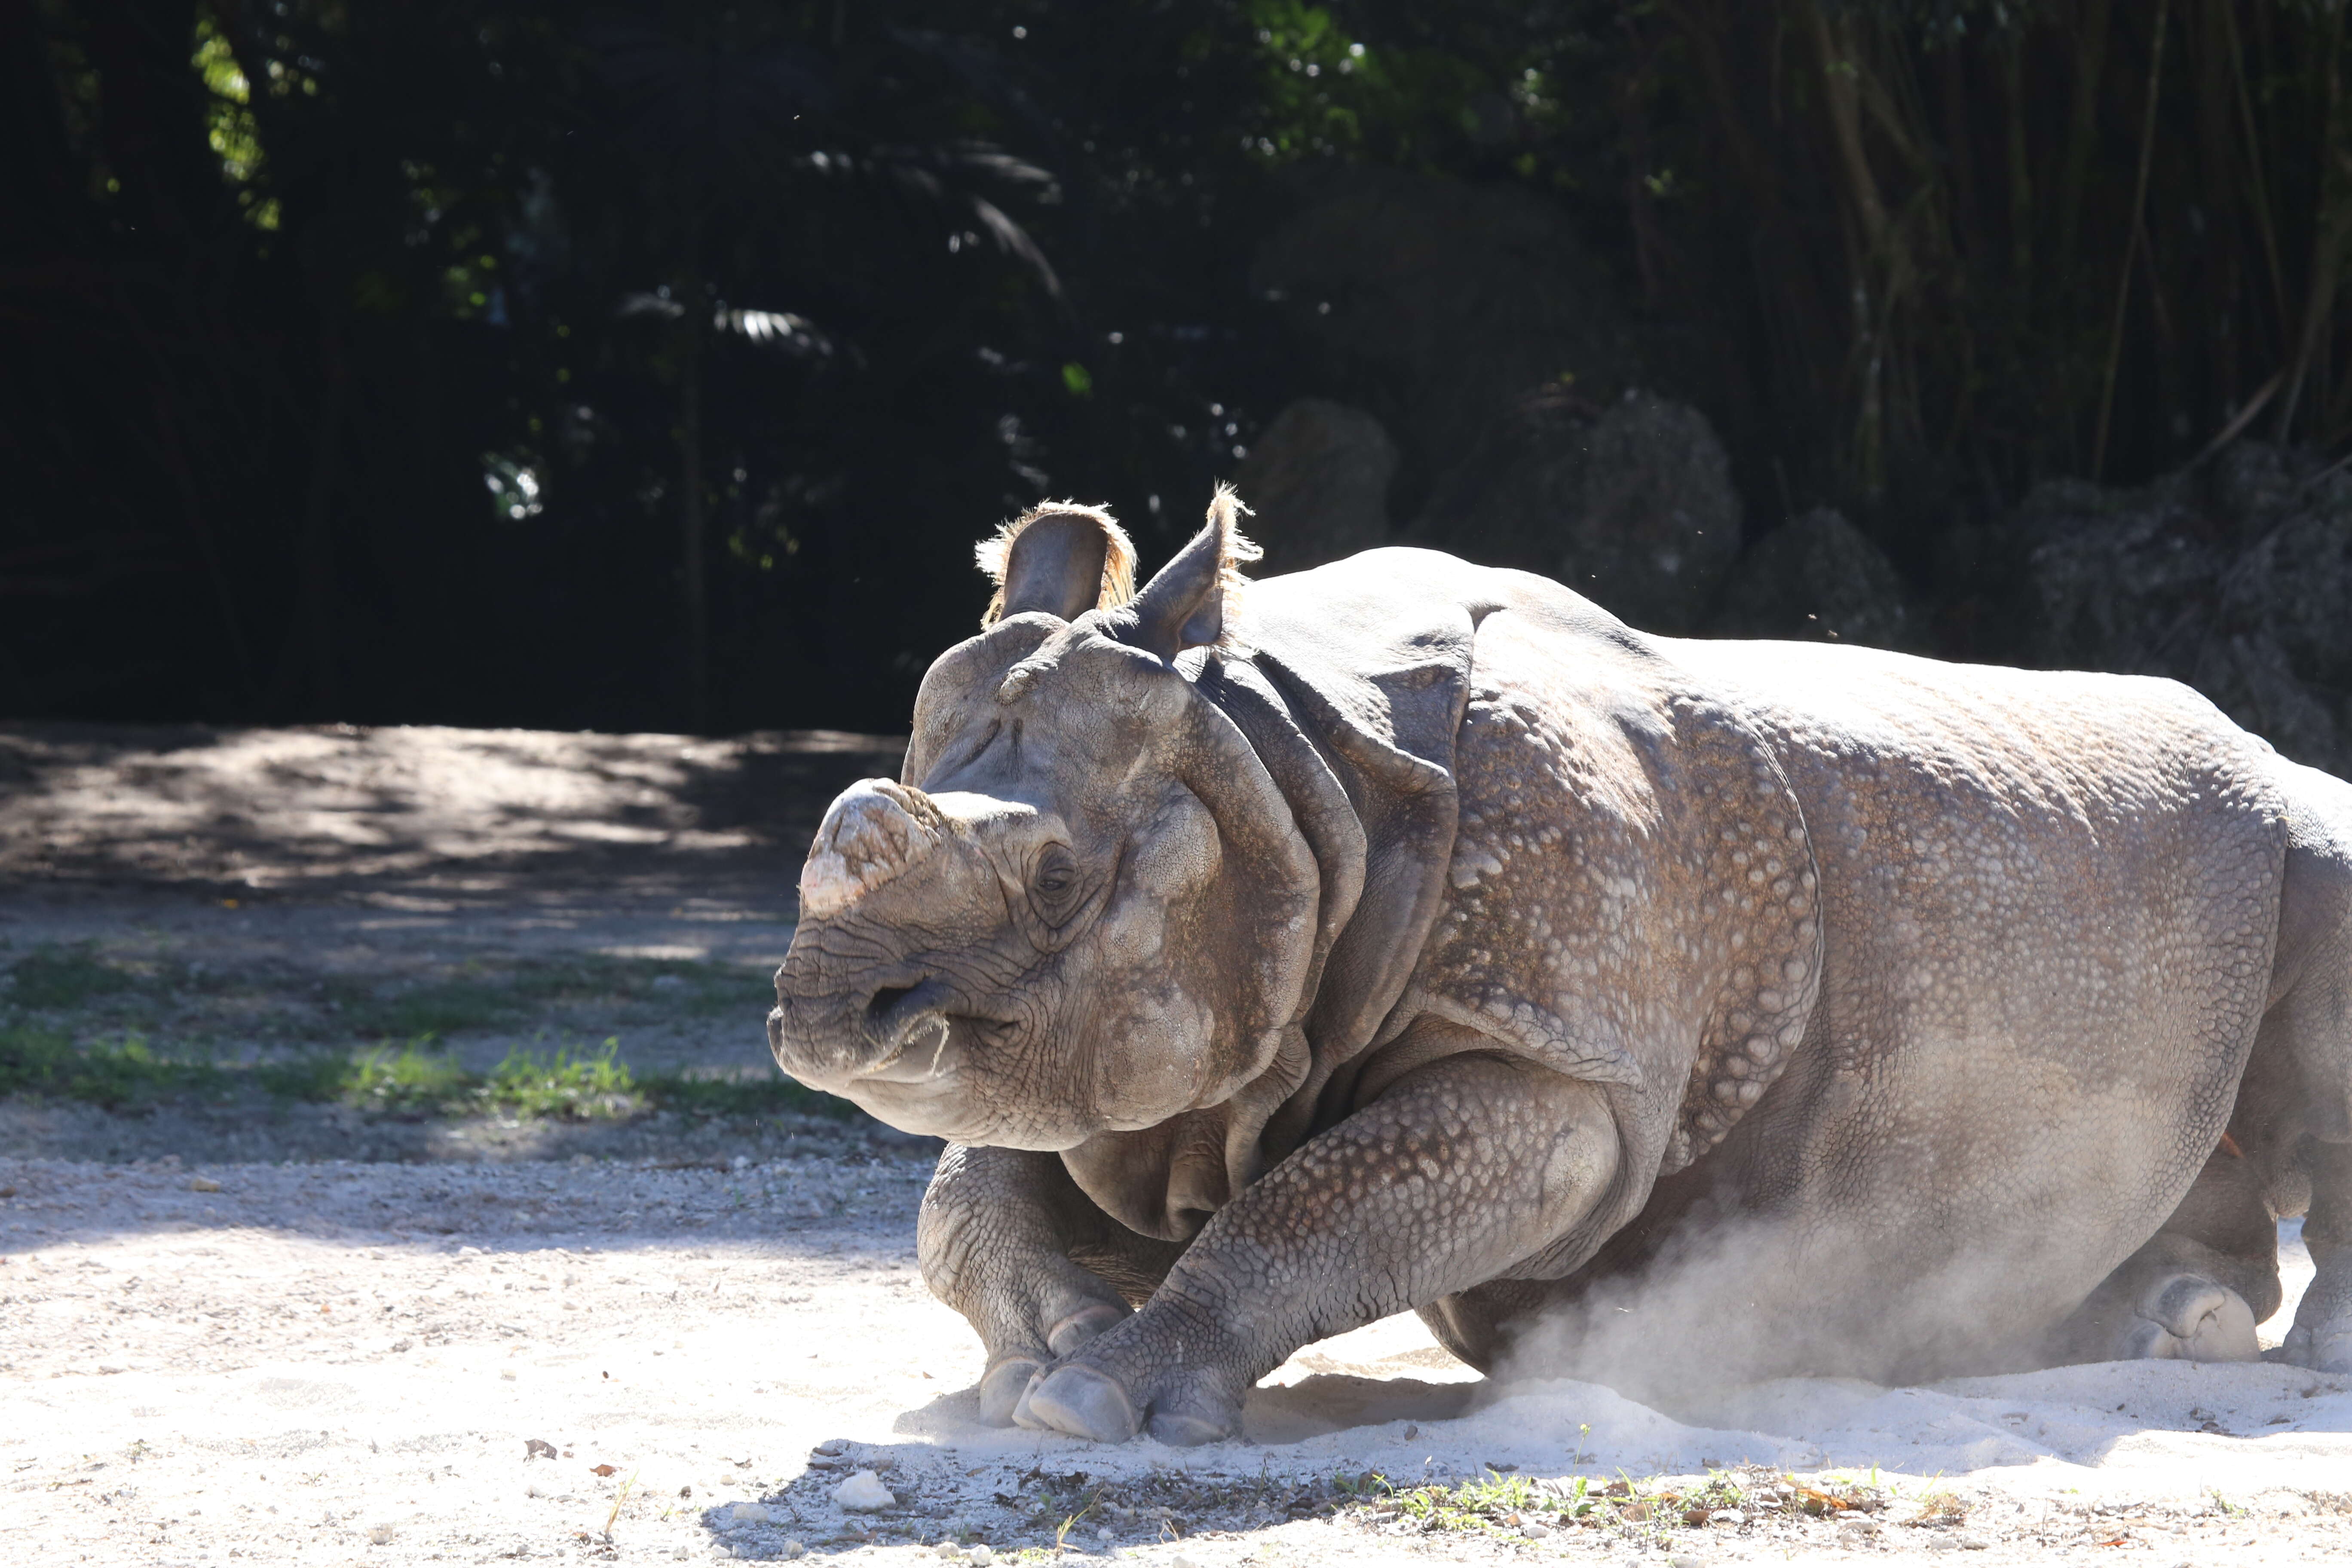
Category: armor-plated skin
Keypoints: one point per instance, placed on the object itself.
(1408, 935)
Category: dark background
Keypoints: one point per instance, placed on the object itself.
(655, 367)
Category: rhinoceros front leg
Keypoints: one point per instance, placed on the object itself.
(1458, 1171)
(2321, 1336)
(995, 1238)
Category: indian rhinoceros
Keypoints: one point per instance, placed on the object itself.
(1405, 935)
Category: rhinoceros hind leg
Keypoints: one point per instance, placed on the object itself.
(2188, 1317)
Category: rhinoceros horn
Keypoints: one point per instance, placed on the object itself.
(876, 830)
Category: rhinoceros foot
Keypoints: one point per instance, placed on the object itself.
(2188, 1317)
(1085, 1402)
(2329, 1350)
(2321, 1336)
(1008, 1376)
(1082, 1325)
(1002, 1386)
(1135, 1377)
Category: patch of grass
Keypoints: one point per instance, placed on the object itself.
(1658, 1508)
(125, 1072)
(574, 1087)
(1495, 1503)
(49, 978)
(415, 1078)
(109, 1073)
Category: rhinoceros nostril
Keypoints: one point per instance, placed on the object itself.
(878, 1006)
(895, 1011)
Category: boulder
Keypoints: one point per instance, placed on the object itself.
(1632, 507)
(2119, 580)
(1317, 480)
(1817, 577)
(1436, 303)
(2235, 579)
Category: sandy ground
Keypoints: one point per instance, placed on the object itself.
(350, 1362)
(215, 1350)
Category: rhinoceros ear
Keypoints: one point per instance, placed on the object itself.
(1190, 601)
(1061, 558)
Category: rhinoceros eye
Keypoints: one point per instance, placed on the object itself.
(1057, 873)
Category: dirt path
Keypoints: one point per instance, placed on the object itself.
(220, 1343)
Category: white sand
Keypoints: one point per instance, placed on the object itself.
(296, 1370)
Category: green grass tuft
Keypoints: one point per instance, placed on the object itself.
(574, 1087)
(415, 1078)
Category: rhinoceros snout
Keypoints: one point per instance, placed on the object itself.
(829, 1041)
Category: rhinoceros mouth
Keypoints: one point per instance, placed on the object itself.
(921, 1055)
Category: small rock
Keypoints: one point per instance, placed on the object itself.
(1533, 1530)
(985, 1554)
(949, 1550)
(537, 1448)
(831, 1445)
(398, 1346)
(863, 1493)
(679, 1554)
(749, 1513)
(1685, 1560)
(790, 1550)
(380, 1534)
(203, 1184)
(1730, 1516)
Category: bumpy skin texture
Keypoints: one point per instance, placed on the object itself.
(1435, 941)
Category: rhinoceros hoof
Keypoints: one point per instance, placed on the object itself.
(1002, 1384)
(1086, 1401)
(2329, 1350)
(2187, 1317)
(1083, 1325)
(1080, 1401)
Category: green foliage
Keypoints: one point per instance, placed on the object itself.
(586, 307)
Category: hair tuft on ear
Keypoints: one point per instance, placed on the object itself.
(999, 557)
(1195, 600)
(1225, 511)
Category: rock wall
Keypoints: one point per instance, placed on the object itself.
(1489, 393)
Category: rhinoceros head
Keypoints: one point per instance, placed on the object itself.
(1085, 908)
